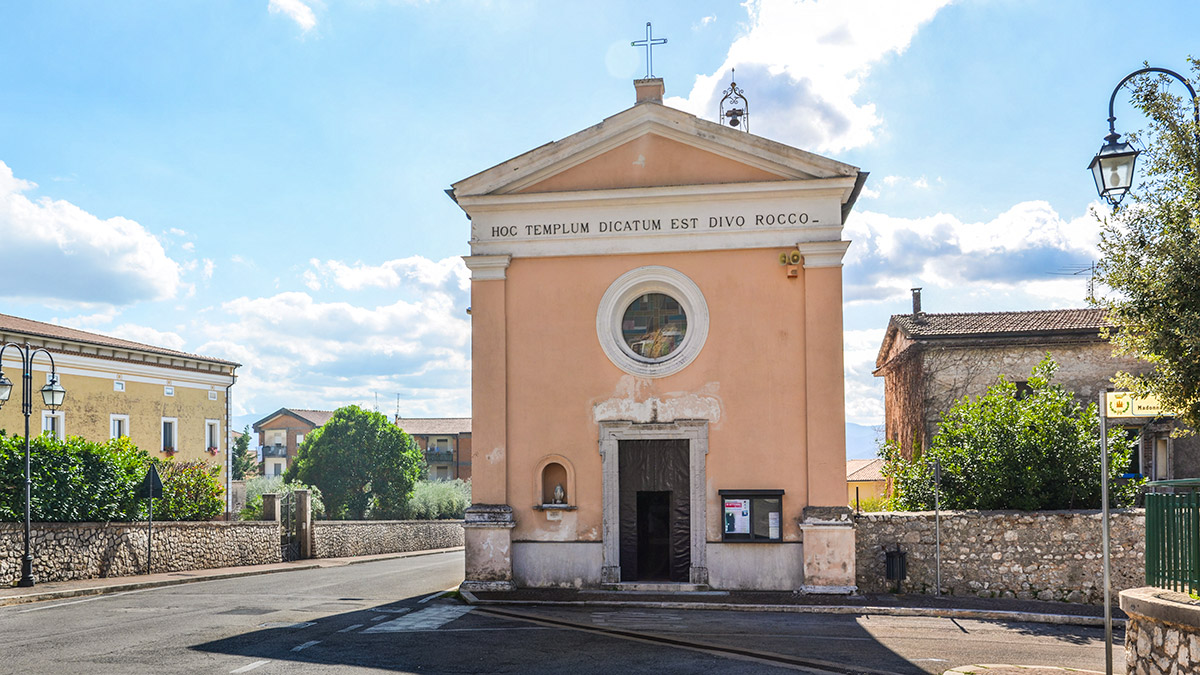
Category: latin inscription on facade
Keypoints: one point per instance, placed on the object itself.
(651, 225)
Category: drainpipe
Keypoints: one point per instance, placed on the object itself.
(229, 445)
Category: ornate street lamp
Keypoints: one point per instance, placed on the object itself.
(1112, 167)
(52, 396)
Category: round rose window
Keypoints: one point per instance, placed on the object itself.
(652, 321)
(653, 326)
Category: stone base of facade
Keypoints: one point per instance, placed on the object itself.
(828, 590)
(487, 537)
(484, 586)
(828, 550)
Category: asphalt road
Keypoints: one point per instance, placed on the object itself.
(381, 617)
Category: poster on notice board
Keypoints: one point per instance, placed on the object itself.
(737, 516)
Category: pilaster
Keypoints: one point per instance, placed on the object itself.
(489, 522)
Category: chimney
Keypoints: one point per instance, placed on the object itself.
(916, 313)
(649, 89)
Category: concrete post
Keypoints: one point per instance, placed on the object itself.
(304, 528)
(270, 510)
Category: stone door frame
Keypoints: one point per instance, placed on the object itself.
(695, 432)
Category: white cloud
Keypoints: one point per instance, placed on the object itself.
(1021, 249)
(706, 20)
(864, 392)
(209, 266)
(445, 273)
(300, 352)
(295, 10)
(802, 62)
(177, 232)
(88, 321)
(55, 250)
(149, 336)
(189, 246)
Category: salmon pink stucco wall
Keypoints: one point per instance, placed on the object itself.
(750, 380)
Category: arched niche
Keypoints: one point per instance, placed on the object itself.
(554, 470)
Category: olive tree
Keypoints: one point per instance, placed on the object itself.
(1150, 248)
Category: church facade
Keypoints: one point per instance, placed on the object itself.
(657, 383)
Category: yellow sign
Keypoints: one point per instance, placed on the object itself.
(1125, 404)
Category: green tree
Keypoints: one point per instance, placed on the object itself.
(1151, 254)
(1003, 450)
(361, 462)
(191, 491)
(74, 480)
(243, 461)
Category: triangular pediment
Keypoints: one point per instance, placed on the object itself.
(648, 146)
(651, 160)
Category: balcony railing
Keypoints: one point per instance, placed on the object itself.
(439, 456)
(273, 450)
(1173, 537)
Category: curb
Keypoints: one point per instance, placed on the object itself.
(1006, 668)
(950, 613)
(124, 587)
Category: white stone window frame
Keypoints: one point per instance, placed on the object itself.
(214, 435)
(172, 442)
(119, 386)
(112, 420)
(168, 390)
(640, 281)
(60, 430)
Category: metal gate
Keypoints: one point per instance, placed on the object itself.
(289, 533)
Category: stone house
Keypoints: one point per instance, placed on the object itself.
(445, 443)
(281, 433)
(167, 402)
(928, 361)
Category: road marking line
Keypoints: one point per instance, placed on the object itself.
(91, 599)
(437, 595)
(249, 667)
(347, 629)
(381, 617)
(306, 645)
(429, 618)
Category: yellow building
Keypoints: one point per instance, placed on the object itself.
(169, 403)
(865, 480)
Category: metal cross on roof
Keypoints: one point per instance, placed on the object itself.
(649, 43)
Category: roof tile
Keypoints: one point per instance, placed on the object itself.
(427, 426)
(16, 324)
(981, 323)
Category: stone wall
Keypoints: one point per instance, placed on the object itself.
(1162, 636)
(65, 551)
(1043, 555)
(340, 538)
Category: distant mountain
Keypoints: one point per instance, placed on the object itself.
(862, 442)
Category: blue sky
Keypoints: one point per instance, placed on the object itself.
(263, 180)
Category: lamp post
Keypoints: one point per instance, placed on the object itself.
(1112, 167)
(52, 395)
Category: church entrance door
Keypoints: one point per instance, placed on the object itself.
(655, 510)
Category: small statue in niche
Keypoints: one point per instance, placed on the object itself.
(560, 495)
